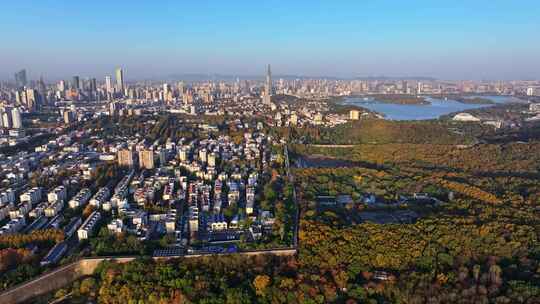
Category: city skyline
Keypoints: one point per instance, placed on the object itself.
(480, 40)
(32, 79)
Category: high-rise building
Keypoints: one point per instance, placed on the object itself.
(181, 87)
(166, 89)
(75, 83)
(163, 157)
(69, 117)
(120, 80)
(108, 84)
(92, 85)
(31, 99)
(183, 154)
(146, 159)
(2, 111)
(20, 97)
(6, 117)
(203, 155)
(20, 78)
(113, 108)
(41, 86)
(405, 87)
(212, 159)
(16, 118)
(269, 80)
(268, 86)
(167, 92)
(125, 158)
(61, 86)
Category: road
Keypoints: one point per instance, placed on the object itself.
(297, 207)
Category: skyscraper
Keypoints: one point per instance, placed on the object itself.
(31, 100)
(61, 85)
(108, 84)
(93, 85)
(42, 91)
(75, 83)
(20, 78)
(268, 86)
(166, 89)
(7, 122)
(16, 118)
(120, 80)
(2, 111)
(41, 85)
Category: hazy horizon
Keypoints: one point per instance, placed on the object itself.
(484, 40)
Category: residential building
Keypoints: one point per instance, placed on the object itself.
(88, 226)
(126, 158)
(146, 159)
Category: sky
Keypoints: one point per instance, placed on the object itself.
(474, 39)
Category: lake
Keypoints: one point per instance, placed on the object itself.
(436, 109)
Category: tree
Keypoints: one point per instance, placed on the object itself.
(260, 283)
(88, 286)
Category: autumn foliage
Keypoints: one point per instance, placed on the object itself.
(17, 240)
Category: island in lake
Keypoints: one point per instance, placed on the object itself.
(469, 99)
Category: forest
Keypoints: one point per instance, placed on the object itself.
(379, 131)
(18, 263)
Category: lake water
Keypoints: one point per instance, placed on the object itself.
(436, 109)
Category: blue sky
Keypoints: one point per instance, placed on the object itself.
(475, 39)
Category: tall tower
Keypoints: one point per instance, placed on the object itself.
(268, 86)
(120, 80)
